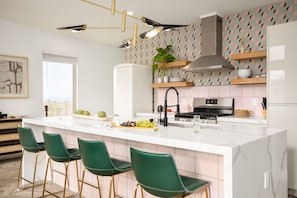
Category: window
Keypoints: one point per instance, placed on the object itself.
(59, 84)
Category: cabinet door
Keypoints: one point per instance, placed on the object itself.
(282, 63)
(284, 117)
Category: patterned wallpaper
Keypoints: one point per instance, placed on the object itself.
(249, 25)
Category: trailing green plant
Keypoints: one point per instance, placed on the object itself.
(163, 57)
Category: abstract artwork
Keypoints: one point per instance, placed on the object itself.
(13, 76)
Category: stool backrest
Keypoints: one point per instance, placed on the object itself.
(55, 147)
(95, 157)
(27, 139)
(156, 173)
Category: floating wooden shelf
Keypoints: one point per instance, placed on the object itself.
(249, 55)
(243, 81)
(180, 63)
(173, 84)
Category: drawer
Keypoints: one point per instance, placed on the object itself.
(10, 125)
(10, 149)
(9, 137)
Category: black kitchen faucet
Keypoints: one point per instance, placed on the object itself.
(165, 105)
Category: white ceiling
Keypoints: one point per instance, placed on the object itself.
(50, 14)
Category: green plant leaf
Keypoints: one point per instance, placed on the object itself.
(163, 56)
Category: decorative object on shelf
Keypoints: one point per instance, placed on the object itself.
(242, 45)
(166, 78)
(176, 79)
(160, 80)
(13, 76)
(163, 57)
(244, 73)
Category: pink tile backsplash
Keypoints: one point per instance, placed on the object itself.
(248, 90)
(213, 91)
(243, 95)
(224, 91)
(203, 92)
(260, 90)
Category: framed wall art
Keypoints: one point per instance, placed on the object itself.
(13, 76)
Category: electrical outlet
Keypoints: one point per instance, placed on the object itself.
(266, 180)
(254, 101)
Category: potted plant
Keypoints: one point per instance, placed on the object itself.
(163, 57)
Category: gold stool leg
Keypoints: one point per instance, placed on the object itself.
(135, 191)
(66, 167)
(77, 175)
(142, 195)
(82, 183)
(20, 170)
(206, 192)
(99, 187)
(44, 183)
(34, 175)
(66, 179)
(111, 185)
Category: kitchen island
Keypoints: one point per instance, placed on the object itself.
(240, 162)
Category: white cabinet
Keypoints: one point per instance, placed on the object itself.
(132, 90)
(282, 95)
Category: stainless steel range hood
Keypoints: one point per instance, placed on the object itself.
(211, 47)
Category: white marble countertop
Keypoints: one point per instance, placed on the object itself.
(211, 139)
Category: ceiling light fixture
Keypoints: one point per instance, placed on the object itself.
(126, 44)
(124, 17)
(135, 32)
(107, 8)
(151, 33)
(113, 7)
(157, 27)
(130, 13)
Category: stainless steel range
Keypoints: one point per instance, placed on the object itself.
(208, 109)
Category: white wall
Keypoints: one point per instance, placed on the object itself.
(95, 70)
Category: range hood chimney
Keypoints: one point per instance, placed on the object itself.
(211, 47)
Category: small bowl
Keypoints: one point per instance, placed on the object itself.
(244, 73)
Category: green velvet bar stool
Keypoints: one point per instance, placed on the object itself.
(58, 152)
(96, 160)
(29, 144)
(157, 174)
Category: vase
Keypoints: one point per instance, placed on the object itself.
(159, 80)
(166, 79)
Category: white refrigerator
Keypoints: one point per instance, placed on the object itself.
(132, 91)
(282, 89)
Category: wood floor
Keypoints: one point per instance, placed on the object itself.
(8, 180)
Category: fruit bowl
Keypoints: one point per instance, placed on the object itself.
(244, 73)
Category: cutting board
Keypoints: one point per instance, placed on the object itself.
(242, 113)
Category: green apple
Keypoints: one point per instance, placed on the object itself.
(79, 111)
(101, 114)
(86, 113)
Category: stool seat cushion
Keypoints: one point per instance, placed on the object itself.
(157, 174)
(96, 158)
(57, 150)
(28, 141)
(191, 184)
